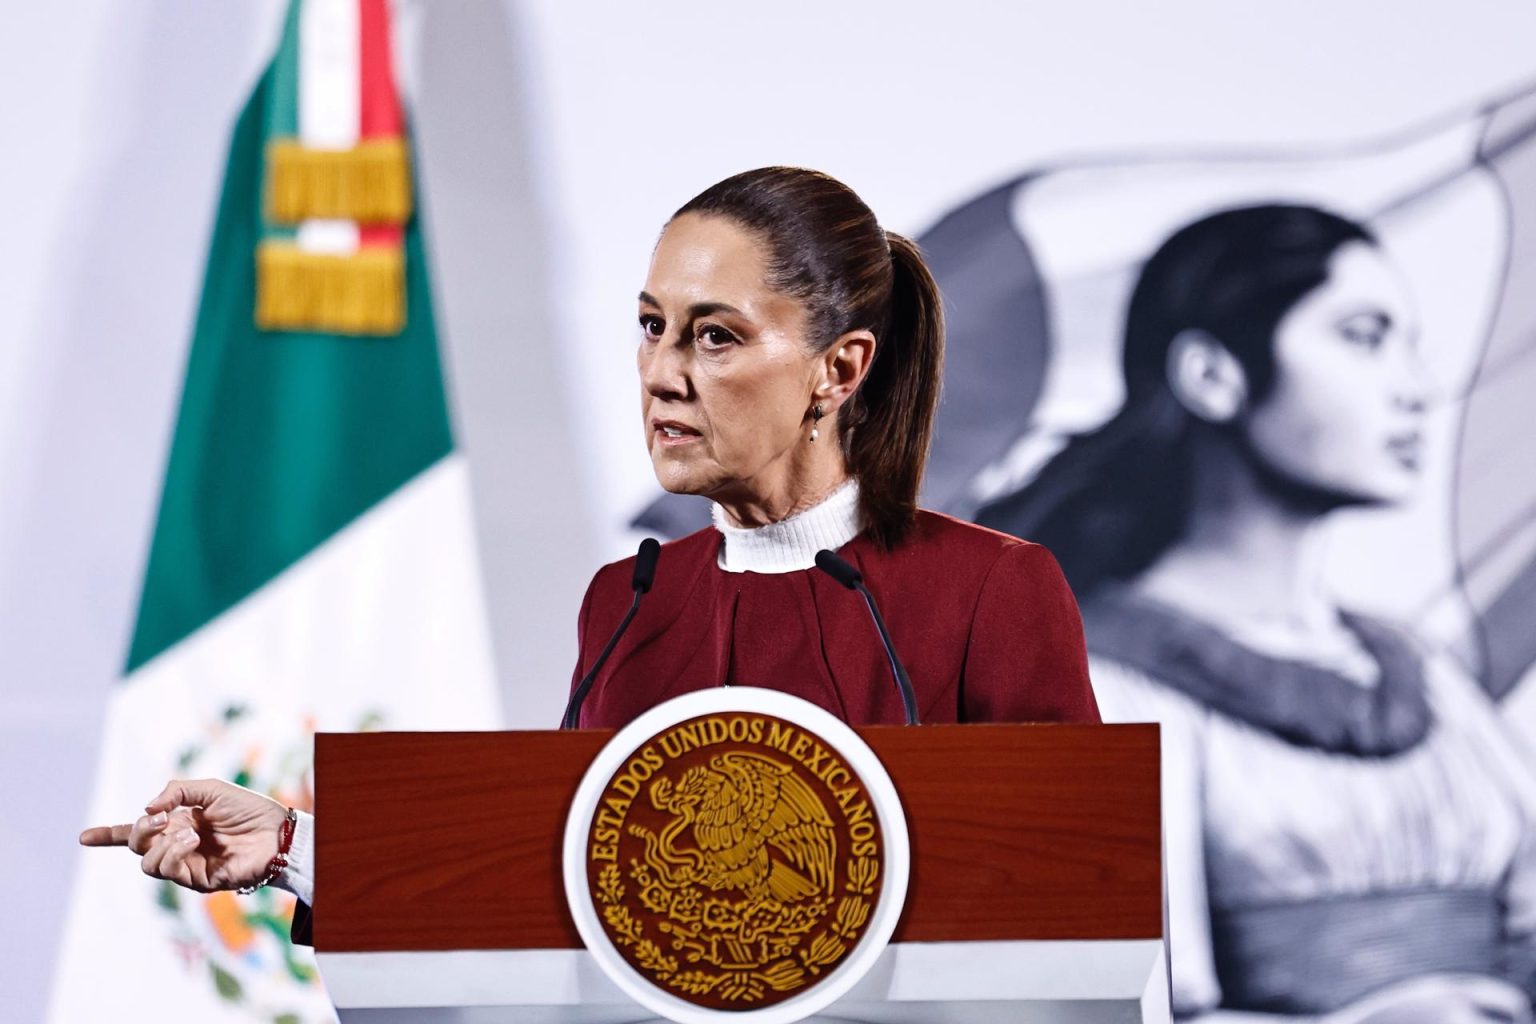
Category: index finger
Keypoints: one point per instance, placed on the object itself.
(106, 835)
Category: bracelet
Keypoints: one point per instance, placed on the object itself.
(278, 864)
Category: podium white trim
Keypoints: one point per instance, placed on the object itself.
(1072, 982)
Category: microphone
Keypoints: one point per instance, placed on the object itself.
(645, 566)
(851, 578)
(645, 575)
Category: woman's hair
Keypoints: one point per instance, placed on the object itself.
(826, 250)
(1114, 500)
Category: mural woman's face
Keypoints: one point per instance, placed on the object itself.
(1345, 414)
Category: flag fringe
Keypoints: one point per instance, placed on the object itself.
(361, 293)
(369, 183)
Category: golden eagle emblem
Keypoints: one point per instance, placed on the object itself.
(734, 859)
(738, 809)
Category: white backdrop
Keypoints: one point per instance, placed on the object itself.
(555, 138)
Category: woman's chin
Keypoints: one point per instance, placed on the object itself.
(1387, 490)
(676, 479)
(1390, 494)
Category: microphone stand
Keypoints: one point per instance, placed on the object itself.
(851, 578)
(645, 575)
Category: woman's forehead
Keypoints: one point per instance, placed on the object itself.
(1361, 275)
(713, 261)
(699, 252)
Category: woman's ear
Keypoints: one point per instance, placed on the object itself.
(1206, 377)
(844, 365)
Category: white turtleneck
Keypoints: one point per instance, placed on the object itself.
(790, 544)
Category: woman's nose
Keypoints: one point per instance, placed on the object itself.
(1412, 400)
(1413, 388)
(663, 370)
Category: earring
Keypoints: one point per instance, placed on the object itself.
(816, 414)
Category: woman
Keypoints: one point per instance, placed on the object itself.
(1348, 827)
(789, 360)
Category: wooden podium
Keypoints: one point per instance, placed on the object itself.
(1036, 890)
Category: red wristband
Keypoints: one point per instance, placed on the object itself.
(278, 864)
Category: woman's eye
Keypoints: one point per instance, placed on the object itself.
(1370, 340)
(652, 326)
(1366, 335)
(715, 337)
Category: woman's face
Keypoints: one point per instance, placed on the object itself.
(1345, 414)
(726, 377)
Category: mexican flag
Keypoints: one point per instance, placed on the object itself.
(313, 563)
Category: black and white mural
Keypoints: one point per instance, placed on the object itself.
(1275, 414)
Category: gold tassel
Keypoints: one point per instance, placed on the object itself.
(370, 183)
(361, 293)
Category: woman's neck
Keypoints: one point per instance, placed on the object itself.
(1250, 557)
(763, 503)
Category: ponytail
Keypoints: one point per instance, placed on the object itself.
(887, 432)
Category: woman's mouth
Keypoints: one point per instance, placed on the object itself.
(1407, 449)
(671, 433)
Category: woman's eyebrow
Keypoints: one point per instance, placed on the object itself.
(698, 309)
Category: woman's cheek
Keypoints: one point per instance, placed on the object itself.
(1288, 436)
(1352, 436)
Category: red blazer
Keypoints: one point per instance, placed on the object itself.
(984, 623)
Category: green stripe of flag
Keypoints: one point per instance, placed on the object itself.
(282, 116)
(281, 439)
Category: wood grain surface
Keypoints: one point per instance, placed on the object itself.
(438, 841)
